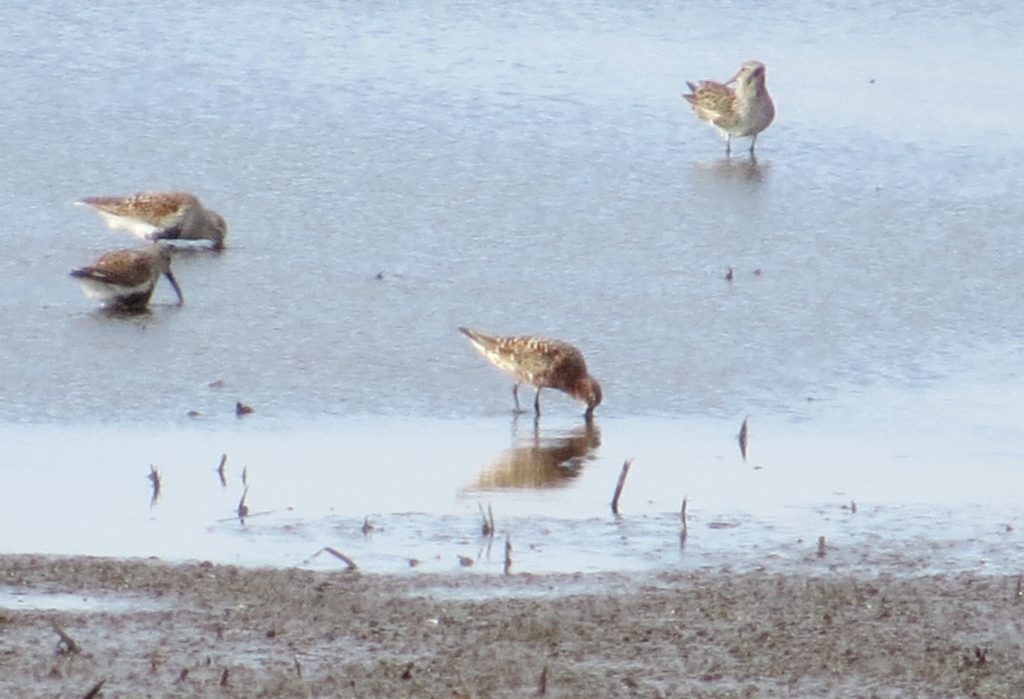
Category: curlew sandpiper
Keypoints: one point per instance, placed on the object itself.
(542, 363)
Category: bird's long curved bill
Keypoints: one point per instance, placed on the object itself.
(174, 283)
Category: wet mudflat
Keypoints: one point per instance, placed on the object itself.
(199, 629)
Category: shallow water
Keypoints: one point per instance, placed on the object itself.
(524, 170)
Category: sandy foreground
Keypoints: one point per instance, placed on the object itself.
(151, 629)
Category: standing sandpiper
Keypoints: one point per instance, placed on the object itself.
(542, 363)
(161, 216)
(124, 279)
(746, 110)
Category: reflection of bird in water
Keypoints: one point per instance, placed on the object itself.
(744, 170)
(746, 110)
(540, 362)
(542, 462)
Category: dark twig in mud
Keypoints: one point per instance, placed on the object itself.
(243, 509)
(508, 553)
(853, 507)
(337, 554)
(95, 691)
(542, 684)
(821, 547)
(682, 518)
(742, 437)
(367, 526)
(487, 528)
(298, 667)
(224, 678)
(407, 672)
(69, 645)
(241, 409)
(620, 484)
(980, 657)
(220, 471)
(154, 478)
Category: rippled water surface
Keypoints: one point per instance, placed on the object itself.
(390, 171)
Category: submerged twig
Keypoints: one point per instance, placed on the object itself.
(95, 691)
(508, 553)
(620, 484)
(69, 643)
(220, 470)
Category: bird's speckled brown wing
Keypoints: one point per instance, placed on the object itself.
(160, 209)
(124, 267)
(546, 362)
(713, 102)
(536, 360)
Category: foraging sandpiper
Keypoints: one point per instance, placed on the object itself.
(746, 110)
(161, 216)
(124, 279)
(542, 363)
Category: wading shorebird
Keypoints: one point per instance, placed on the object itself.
(124, 279)
(542, 363)
(746, 110)
(161, 216)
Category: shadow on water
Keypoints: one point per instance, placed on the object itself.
(540, 461)
(737, 168)
(133, 316)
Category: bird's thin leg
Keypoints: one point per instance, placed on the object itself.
(728, 146)
(536, 403)
(515, 394)
(752, 142)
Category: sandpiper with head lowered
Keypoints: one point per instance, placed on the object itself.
(161, 216)
(124, 279)
(542, 363)
(745, 110)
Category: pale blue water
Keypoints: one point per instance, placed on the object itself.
(522, 170)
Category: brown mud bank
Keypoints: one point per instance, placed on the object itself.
(151, 629)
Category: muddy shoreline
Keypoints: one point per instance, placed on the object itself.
(148, 628)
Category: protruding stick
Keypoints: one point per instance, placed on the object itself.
(339, 555)
(742, 437)
(69, 643)
(620, 484)
(682, 518)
